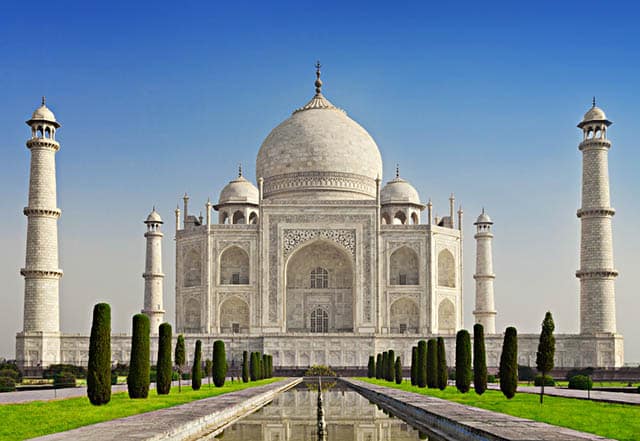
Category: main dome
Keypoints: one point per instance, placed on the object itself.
(321, 152)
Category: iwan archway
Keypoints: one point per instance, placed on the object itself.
(319, 289)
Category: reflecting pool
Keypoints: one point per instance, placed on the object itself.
(348, 416)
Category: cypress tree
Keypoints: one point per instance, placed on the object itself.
(139, 365)
(196, 370)
(385, 365)
(245, 367)
(546, 350)
(207, 368)
(432, 364)
(265, 366)
(269, 366)
(180, 359)
(379, 366)
(442, 365)
(99, 370)
(398, 370)
(253, 367)
(463, 361)
(391, 373)
(509, 363)
(164, 366)
(414, 365)
(479, 360)
(219, 363)
(371, 367)
(422, 376)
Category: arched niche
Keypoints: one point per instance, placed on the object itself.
(253, 218)
(192, 314)
(403, 267)
(404, 316)
(446, 269)
(234, 316)
(303, 296)
(446, 317)
(238, 217)
(192, 269)
(399, 218)
(234, 266)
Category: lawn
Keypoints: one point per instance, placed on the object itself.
(617, 421)
(37, 418)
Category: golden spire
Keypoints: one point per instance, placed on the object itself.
(318, 80)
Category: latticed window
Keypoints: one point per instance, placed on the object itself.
(319, 278)
(319, 320)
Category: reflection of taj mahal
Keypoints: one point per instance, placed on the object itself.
(319, 263)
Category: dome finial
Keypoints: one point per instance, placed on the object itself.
(44, 100)
(239, 170)
(318, 80)
(594, 101)
(397, 171)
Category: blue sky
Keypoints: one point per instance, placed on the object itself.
(477, 98)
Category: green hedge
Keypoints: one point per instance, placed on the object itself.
(164, 372)
(432, 364)
(7, 384)
(443, 374)
(379, 366)
(371, 367)
(219, 363)
(463, 361)
(196, 370)
(52, 370)
(422, 369)
(581, 382)
(391, 370)
(509, 363)
(548, 380)
(245, 367)
(64, 380)
(138, 378)
(479, 360)
(99, 371)
(398, 370)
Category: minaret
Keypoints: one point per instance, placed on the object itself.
(153, 272)
(596, 273)
(41, 272)
(485, 312)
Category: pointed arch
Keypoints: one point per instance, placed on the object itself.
(253, 218)
(234, 266)
(414, 218)
(234, 316)
(404, 316)
(399, 218)
(446, 269)
(403, 267)
(386, 220)
(192, 315)
(238, 217)
(192, 269)
(446, 317)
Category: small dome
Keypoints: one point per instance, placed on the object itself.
(239, 191)
(153, 217)
(399, 191)
(483, 218)
(595, 114)
(43, 113)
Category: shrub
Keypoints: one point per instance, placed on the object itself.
(584, 371)
(179, 358)
(196, 370)
(253, 367)
(509, 363)
(99, 371)
(398, 370)
(114, 378)
(379, 366)
(491, 379)
(11, 374)
(422, 368)
(245, 367)
(12, 366)
(138, 378)
(319, 370)
(219, 363)
(526, 373)
(546, 349)
(442, 365)
(66, 379)
(463, 361)
(414, 366)
(120, 368)
(371, 367)
(581, 382)
(165, 366)
(269, 366)
(7, 384)
(548, 380)
(391, 372)
(385, 365)
(432, 364)
(52, 370)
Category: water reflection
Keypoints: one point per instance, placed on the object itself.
(295, 415)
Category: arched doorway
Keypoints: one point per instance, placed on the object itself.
(404, 316)
(234, 316)
(319, 289)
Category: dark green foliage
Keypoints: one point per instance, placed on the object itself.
(11, 374)
(99, 371)
(7, 384)
(245, 367)
(208, 365)
(398, 370)
(63, 380)
(432, 364)
(196, 370)
(52, 370)
(548, 380)
(576, 371)
(164, 372)
(443, 374)
(379, 366)
(385, 365)
(12, 366)
(479, 360)
(391, 372)
(120, 368)
(371, 367)
(253, 367)
(219, 363)
(265, 366)
(546, 349)
(463, 361)
(414, 366)
(581, 382)
(114, 378)
(422, 374)
(509, 363)
(491, 379)
(179, 358)
(269, 365)
(138, 378)
(319, 370)
(525, 373)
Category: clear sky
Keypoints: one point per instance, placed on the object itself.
(477, 98)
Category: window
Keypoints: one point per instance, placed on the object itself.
(403, 328)
(402, 279)
(319, 320)
(235, 278)
(235, 327)
(319, 278)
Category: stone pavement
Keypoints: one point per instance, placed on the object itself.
(185, 421)
(463, 423)
(596, 395)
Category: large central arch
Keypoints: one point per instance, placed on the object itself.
(306, 290)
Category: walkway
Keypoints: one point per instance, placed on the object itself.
(596, 395)
(464, 423)
(179, 422)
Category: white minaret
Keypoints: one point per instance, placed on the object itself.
(485, 312)
(153, 272)
(597, 274)
(41, 272)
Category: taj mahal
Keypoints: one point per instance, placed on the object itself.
(320, 260)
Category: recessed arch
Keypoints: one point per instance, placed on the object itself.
(404, 316)
(238, 217)
(319, 320)
(253, 218)
(224, 217)
(446, 317)
(192, 314)
(404, 267)
(414, 218)
(399, 218)
(446, 269)
(234, 266)
(192, 269)
(386, 220)
(234, 316)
